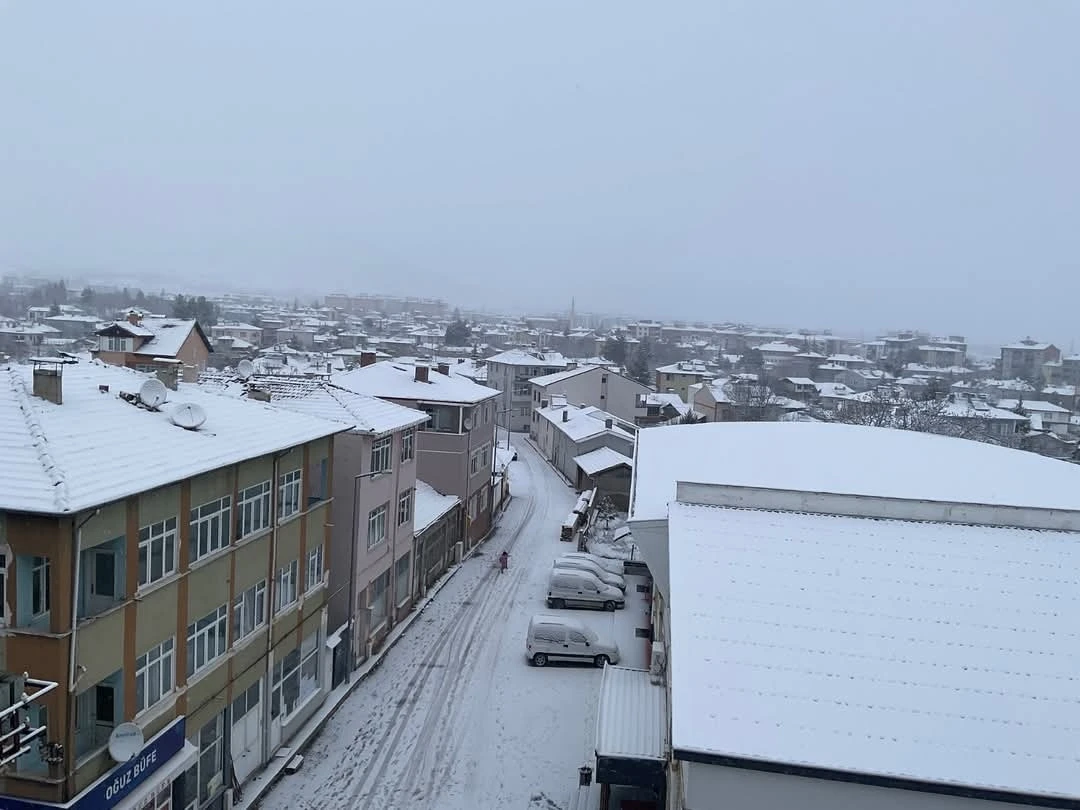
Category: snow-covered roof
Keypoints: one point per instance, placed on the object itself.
(1042, 406)
(833, 390)
(631, 716)
(168, 335)
(800, 381)
(430, 505)
(518, 357)
(845, 459)
(778, 348)
(660, 399)
(685, 367)
(876, 646)
(96, 447)
(392, 380)
(582, 423)
(601, 459)
(560, 376)
(1035, 347)
(317, 397)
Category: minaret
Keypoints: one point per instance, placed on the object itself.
(571, 314)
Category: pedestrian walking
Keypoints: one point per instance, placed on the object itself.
(504, 562)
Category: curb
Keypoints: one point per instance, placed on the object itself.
(268, 775)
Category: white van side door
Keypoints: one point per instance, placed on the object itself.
(577, 645)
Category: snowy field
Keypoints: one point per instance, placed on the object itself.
(454, 717)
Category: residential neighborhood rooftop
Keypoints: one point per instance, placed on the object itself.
(601, 459)
(392, 380)
(582, 423)
(97, 447)
(844, 459)
(560, 376)
(520, 357)
(430, 505)
(940, 653)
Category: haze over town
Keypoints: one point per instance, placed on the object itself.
(859, 166)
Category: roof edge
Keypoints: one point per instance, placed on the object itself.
(875, 780)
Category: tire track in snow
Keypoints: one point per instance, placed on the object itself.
(462, 626)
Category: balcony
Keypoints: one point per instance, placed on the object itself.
(102, 572)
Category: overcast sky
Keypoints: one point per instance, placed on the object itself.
(855, 165)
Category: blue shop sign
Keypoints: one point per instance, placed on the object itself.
(122, 781)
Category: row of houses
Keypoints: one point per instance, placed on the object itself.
(188, 569)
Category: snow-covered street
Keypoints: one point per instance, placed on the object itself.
(454, 717)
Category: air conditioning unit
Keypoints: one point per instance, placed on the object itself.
(657, 662)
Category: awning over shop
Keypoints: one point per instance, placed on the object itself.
(631, 729)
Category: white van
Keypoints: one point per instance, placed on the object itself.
(608, 564)
(560, 638)
(579, 564)
(575, 588)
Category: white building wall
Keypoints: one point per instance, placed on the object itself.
(712, 787)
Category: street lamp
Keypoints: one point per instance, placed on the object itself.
(355, 537)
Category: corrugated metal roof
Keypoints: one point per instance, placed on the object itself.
(600, 459)
(631, 720)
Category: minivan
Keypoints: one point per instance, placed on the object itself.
(560, 638)
(576, 588)
(607, 563)
(579, 564)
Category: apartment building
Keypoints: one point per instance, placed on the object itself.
(590, 385)
(677, 378)
(509, 373)
(164, 560)
(374, 501)
(151, 344)
(1024, 360)
(240, 330)
(456, 446)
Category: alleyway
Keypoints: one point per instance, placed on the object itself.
(454, 718)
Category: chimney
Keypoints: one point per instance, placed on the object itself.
(608, 423)
(169, 375)
(421, 373)
(329, 368)
(566, 416)
(48, 383)
(444, 368)
(366, 358)
(133, 318)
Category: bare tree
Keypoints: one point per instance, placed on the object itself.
(752, 397)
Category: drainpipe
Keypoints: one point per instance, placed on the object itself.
(272, 594)
(468, 480)
(395, 505)
(69, 759)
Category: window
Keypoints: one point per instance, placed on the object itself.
(314, 577)
(207, 639)
(289, 494)
(116, 344)
(377, 598)
(309, 666)
(249, 611)
(474, 501)
(405, 507)
(376, 526)
(401, 580)
(444, 418)
(40, 595)
(209, 528)
(285, 593)
(480, 458)
(296, 677)
(254, 509)
(154, 675)
(408, 445)
(157, 551)
(380, 454)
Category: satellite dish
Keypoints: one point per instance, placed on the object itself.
(153, 393)
(188, 415)
(126, 741)
(245, 368)
(468, 425)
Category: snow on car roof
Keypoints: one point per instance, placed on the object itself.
(844, 459)
(936, 652)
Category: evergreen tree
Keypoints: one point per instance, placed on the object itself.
(638, 368)
(615, 349)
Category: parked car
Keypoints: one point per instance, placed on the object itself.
(607, 563)
(561, 638)
(580, 564)
(577, 588)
